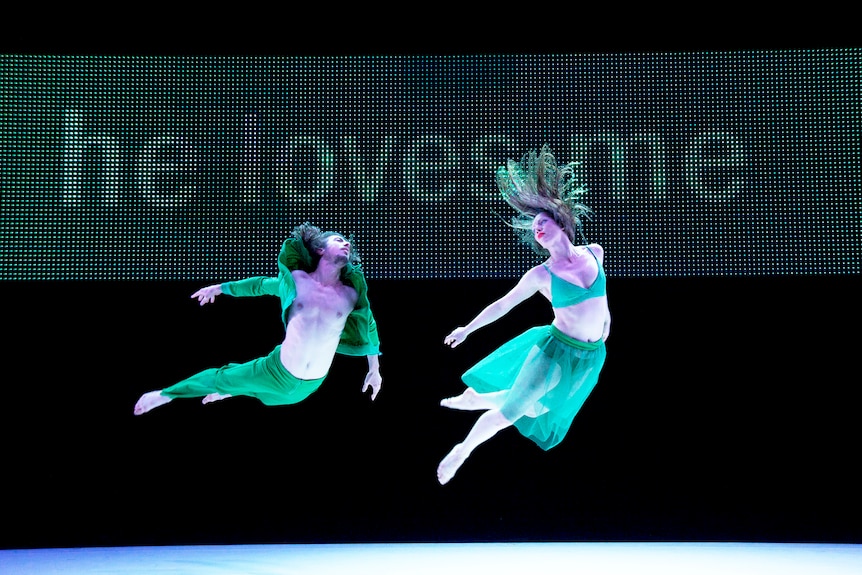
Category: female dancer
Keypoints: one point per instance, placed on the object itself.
(540, 379)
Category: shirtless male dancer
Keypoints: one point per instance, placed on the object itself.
(325, 311)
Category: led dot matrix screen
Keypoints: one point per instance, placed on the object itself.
(197, 167)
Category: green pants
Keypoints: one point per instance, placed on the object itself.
(264, 378)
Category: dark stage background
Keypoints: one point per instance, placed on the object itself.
(727, 411)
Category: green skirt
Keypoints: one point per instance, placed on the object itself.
(264, 378)
(549, 377)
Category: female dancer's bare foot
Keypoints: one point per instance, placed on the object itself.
(214, 397)
(450, 464)
(150, 400)
(469, 400)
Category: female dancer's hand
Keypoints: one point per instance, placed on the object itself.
(458, 335)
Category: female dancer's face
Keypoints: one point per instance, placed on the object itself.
(545, 229)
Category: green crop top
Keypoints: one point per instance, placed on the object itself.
(565, 293)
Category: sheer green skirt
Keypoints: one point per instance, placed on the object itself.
(548, 377)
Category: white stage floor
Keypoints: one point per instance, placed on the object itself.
(443, 559)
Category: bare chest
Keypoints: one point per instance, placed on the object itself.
(313, 298)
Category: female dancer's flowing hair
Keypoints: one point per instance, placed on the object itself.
(538, 184)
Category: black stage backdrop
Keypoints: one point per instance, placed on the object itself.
(727, 411)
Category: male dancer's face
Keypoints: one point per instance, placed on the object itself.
(337, 249)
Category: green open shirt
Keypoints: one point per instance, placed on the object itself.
(359, 336)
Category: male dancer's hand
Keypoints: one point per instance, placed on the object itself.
(373, 382)
(208, 294)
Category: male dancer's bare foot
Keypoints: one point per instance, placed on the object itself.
(214, 397)
(469, 400)
(450, 464)
(150, 400)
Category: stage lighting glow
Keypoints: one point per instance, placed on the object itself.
(737, 163)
